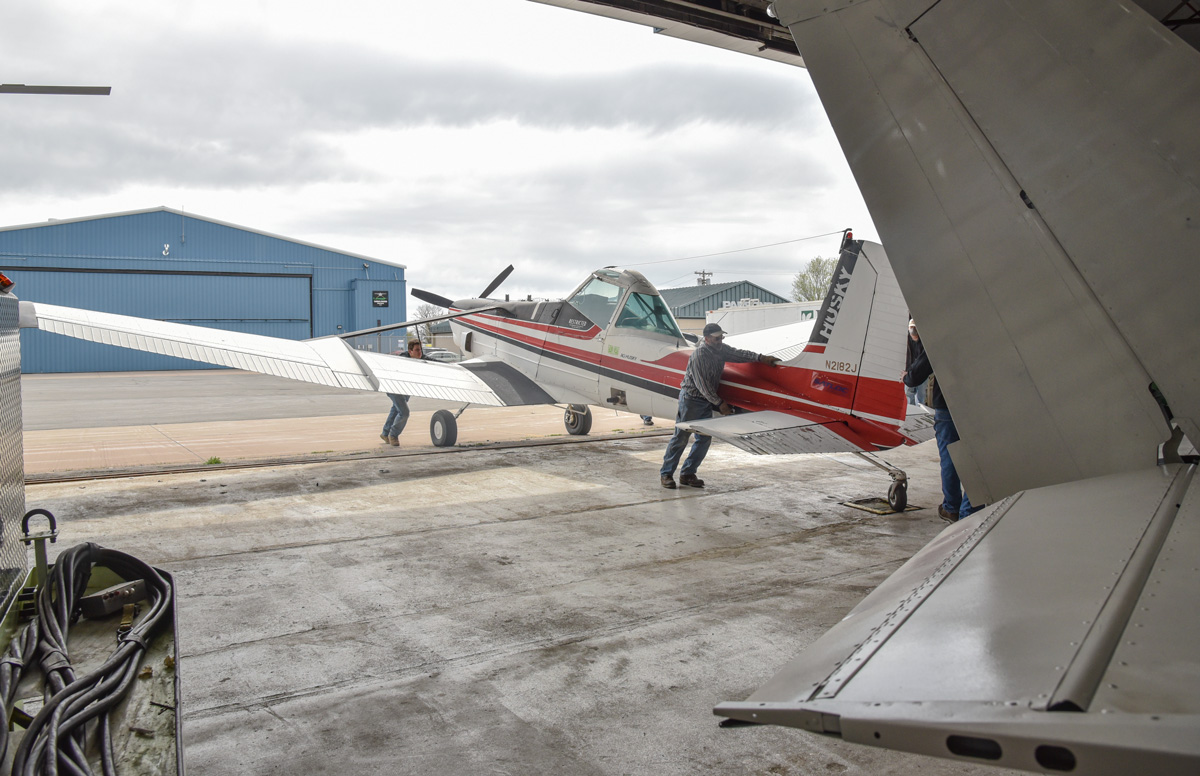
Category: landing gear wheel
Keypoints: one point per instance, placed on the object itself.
(443, 428)
(898, 495)
(578, 419)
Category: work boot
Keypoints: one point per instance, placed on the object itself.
(949, 517)
(647, 421)
(691, 480)
(384, 437)
(667, 481)
(394, 441)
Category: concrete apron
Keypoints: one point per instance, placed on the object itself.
(523, 611)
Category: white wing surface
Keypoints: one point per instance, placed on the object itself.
(329, 361)
(1000, 642)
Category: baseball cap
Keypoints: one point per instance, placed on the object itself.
(713, 328)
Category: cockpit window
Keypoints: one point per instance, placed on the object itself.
(597, 300)
(647, 312)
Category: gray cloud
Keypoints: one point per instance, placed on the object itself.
(238, 110)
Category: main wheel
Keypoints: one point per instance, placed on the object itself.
(443, 428)
(898, 495)
(578, 419)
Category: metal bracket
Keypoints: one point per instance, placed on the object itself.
(38, 541)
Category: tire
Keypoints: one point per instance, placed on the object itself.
(898, 496)
(443, 428)
(578, 419)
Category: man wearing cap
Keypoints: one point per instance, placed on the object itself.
(698, 397)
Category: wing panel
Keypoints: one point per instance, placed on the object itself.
(978, 632)
(1022, 348)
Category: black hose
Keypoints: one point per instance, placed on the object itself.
(55, 740)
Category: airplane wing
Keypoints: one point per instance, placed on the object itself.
(785, 342)
(1001, 643)
(748, 29)
(326, 361)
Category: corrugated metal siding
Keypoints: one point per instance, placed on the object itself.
(734, 293)
(167, 265)
(274, 306)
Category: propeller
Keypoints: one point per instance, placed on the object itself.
(496, 282)
(432, 298)
(441, 301)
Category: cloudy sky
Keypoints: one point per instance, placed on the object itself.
(453, 138)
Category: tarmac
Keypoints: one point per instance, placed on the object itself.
(528, 603)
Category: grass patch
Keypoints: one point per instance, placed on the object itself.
(214, 461)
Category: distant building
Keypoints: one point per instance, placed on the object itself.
(690, 304)
(169, 265)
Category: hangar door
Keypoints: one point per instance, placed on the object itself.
(272, 305)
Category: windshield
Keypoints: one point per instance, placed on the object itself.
(597, 300)
(647, 312)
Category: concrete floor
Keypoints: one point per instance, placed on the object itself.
(545, 610)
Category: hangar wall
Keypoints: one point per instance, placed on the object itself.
(173, 266)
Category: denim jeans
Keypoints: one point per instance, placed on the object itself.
(398, 416)
(690, 408)
(953, 498)
(915, 395)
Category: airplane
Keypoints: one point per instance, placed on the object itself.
(1032, 168)
(613, 342)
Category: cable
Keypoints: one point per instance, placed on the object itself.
(737, 250)
(55, 740)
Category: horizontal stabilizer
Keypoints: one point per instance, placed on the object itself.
(772, 433)
(1001, 642)
(918, 424)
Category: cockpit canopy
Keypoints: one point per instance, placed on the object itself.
(641, 309)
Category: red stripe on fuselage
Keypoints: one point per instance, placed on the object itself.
(807, 393)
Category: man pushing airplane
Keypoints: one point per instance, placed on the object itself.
(698, 396)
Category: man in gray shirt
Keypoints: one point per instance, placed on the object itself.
(698, 397)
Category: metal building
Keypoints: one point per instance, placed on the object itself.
(174, 266)
(690, 304)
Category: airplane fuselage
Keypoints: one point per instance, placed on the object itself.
(583, 352)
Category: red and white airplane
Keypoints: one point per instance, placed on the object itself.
(613, 342)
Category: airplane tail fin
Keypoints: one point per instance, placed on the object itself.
(860, 330)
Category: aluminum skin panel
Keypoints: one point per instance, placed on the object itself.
(980, 631)
(327, 361)
(771, 433)
(1106, 149)
(12, 464)
(1043, 387)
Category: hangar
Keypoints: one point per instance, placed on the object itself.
(170, 265)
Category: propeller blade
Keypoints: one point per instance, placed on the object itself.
(496, 283)
(432, 298)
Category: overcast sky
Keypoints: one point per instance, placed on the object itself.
(453, 138)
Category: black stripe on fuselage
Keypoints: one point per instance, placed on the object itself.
(640, 382)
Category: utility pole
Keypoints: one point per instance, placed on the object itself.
(704, 276)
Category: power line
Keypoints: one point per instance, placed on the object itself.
(737, 250)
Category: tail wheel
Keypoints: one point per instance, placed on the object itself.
(578, 419)
(443, 428)
(898, 496)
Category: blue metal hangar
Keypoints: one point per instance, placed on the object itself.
(174, 266)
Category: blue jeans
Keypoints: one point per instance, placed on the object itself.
(690, 408)
(915, 395)
(398, 416)
(953, 498)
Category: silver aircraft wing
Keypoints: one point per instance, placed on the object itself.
(326, 361)
(1001, 642)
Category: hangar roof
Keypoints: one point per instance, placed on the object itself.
(58, 222)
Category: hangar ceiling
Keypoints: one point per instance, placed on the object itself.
(747, 27)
